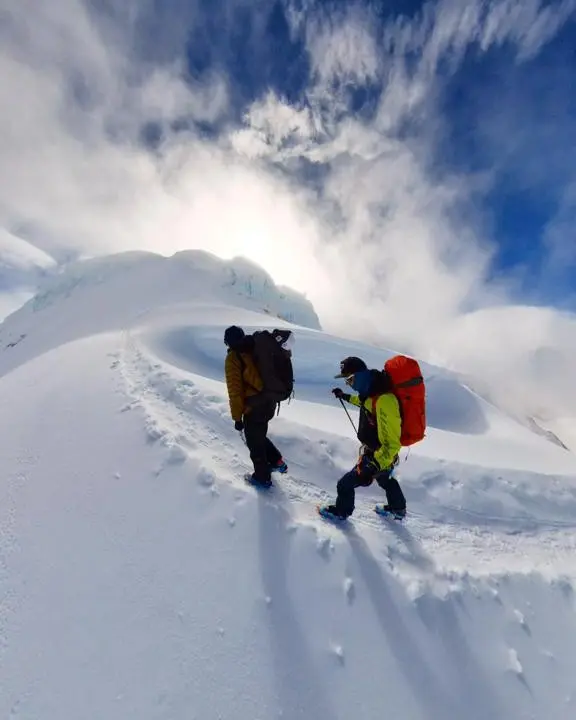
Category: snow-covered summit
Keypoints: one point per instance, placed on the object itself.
(117, 291)
(141, 578)
(141, 281)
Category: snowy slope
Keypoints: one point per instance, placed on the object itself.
(141, 578)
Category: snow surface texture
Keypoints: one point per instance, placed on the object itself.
(140, 577)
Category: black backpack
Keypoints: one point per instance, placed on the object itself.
(274, 364)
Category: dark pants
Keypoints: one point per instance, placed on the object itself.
(352, 480)
(263, 452)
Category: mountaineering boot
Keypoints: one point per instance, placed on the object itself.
(330, 513)
(258, 482)
(279, 467)
(387, 511)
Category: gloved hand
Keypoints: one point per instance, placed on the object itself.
(340, 394)
(239, 425)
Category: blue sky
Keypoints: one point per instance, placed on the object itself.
(510, 119)
(518, 122)
(409, 166)
(497, 106)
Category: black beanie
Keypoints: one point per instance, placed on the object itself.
(233, 335)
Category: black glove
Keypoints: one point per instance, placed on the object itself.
(340, 394)
(239, 425)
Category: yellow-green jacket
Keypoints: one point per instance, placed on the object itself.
(386, 410)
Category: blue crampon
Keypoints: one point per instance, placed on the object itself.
(327, 515)
(259, 484)
(384, 511)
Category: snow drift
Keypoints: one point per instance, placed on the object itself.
(141, 578)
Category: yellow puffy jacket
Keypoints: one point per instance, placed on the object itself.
(242, 381)
(388, 425)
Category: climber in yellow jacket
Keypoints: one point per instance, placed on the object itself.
(251, 410)
(379, 430)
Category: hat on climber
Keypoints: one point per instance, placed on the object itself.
(233, 336)
(350, 366)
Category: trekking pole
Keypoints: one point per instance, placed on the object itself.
(347, 413)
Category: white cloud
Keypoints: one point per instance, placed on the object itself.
(415, 268)
(445, 30)
(343, 50)
(382, 247)
(529, 24)
(272, 125)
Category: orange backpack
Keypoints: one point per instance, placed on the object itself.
(408, 386)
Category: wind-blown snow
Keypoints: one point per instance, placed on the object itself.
(22, 267)
(18, 254)
(141, 578)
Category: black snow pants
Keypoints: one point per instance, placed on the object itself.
(351, 480)
(263, 452)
